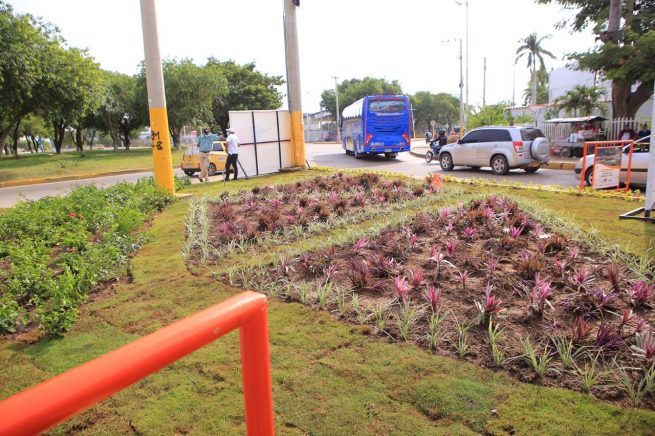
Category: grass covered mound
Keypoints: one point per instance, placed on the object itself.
(55, 250)
(489, 283)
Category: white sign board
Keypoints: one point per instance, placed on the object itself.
(607, 167)
(265, 140)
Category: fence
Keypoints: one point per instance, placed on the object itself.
(40, 407)
(611, 128)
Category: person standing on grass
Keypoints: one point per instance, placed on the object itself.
(205, 145)
(232, 154)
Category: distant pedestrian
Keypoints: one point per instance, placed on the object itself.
(232, 154)
(428, 136)
(627, 133)
(645, 131)
(205, 145)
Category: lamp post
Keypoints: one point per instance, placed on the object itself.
(159, 137)
(461, 93)
(336, 116)
(466, 6)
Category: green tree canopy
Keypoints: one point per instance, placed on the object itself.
(582, 101)
(190, 91)
(495, 115)
(352, 90)
(246, 88)
(625, 56)
(542, 88)
(442, 107)
(532, 49)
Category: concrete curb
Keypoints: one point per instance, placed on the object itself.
(566, 166)
(25, 182)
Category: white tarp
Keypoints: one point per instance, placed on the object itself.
(265, 140)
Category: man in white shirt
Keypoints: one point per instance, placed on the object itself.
(232, 154)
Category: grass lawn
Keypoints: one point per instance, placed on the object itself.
(35, 166)
(329, 377)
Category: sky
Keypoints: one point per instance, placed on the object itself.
(412, 41)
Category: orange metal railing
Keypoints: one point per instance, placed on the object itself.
(42, 406)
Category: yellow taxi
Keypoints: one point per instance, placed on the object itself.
(217, 158)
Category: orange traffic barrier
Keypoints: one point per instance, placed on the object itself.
(42, 406)
(608, 144)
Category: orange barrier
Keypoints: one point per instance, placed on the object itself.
(608, 144)
(42, 406)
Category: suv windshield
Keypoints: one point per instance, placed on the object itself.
(386, 106)
(531, 134)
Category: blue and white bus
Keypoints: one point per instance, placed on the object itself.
(377, 124)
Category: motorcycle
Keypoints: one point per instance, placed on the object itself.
(435, 147)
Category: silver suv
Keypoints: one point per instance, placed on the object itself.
(502, 148)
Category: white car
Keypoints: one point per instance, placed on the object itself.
(639, 171)
(500, 147)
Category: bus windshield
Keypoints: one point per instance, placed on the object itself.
(386, 106)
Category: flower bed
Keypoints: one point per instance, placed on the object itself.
(488, 283)
(216, 227)
(55, 250)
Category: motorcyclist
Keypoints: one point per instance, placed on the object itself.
(442, 138)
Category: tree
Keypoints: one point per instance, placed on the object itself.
(352, 90)
(190, 91)
(246, 88)
(33, 127)
(73, 89)
(496, 115)
(442, 108)
(582, 101)
(625, 55)
(542, 88)
(531, 48)
(24, 42)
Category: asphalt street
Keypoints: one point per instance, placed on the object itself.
(330, 155)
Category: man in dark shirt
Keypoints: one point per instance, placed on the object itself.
(643, 132)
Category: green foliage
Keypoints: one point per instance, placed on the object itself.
(582, 101)
(442, 107)
(352, 90)
(542, 88)
(532, 49)
(247, 88)
(55, 250)
(495, 115)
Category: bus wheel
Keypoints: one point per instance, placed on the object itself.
(390, 155)
(357, 154)
(348, 152)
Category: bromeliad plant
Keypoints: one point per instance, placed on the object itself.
(433, 297)
(539, 296)
(640, 294)
(644, 346)
(489, 307)
(401, 289)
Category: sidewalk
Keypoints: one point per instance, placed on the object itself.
(556, 162)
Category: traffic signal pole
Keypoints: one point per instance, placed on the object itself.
(293, 82)
(160, 138)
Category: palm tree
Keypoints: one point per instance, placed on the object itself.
(531, 47)
(582, 101)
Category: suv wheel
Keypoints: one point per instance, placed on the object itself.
(446, 162)
(499, 165)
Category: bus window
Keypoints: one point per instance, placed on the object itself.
(386, 106)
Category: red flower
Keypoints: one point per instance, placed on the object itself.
(72, 214)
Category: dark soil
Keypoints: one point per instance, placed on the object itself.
(522, 262)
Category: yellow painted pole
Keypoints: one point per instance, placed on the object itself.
(160, 137)
(293, 83)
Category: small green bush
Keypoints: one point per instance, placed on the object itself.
(55, 250)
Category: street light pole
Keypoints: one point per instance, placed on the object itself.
(159, 137)
(461, 92)
(337, 115)
(466, 116)
(293, 82)
(484, 84)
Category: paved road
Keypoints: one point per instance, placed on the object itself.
(317, 154)
(332, 155)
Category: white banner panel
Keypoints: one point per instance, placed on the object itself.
(265, 138)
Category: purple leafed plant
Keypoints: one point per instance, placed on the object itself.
(333, 197)
(436, 256)
(560, 266)
(448, 228)
(401, 288)
(641, 326)
(433, 296)
(640, 293)
(360, 245)
(515, 232)
(359, 274)
(539, 296)
(445, 213)
(330, 272)
(605, 300)
(463, 278)
(626, 317)
(470, 232)
(644, 345)
(450, 247)
(607, 340)
(580, 329)
(413, 241)
(573, 253)
(276, 203)
(491, 265)
(581, 277)
(487, 213)
(416, 278)
(614, 276)
(491, 302)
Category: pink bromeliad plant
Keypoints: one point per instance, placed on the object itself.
(450, 248)
(416, 278)
(641, 293)
(401, 288)
(574, 252)
(445, 213)
(515, 232)
(539, 296)
(626, 317)
(433, 297)
(437, 258)
(448, 228)
(470, 232)
(560, 266)
(581, 278)
(360, 245)
(492, 265)
(463, 278)
(490, 306)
